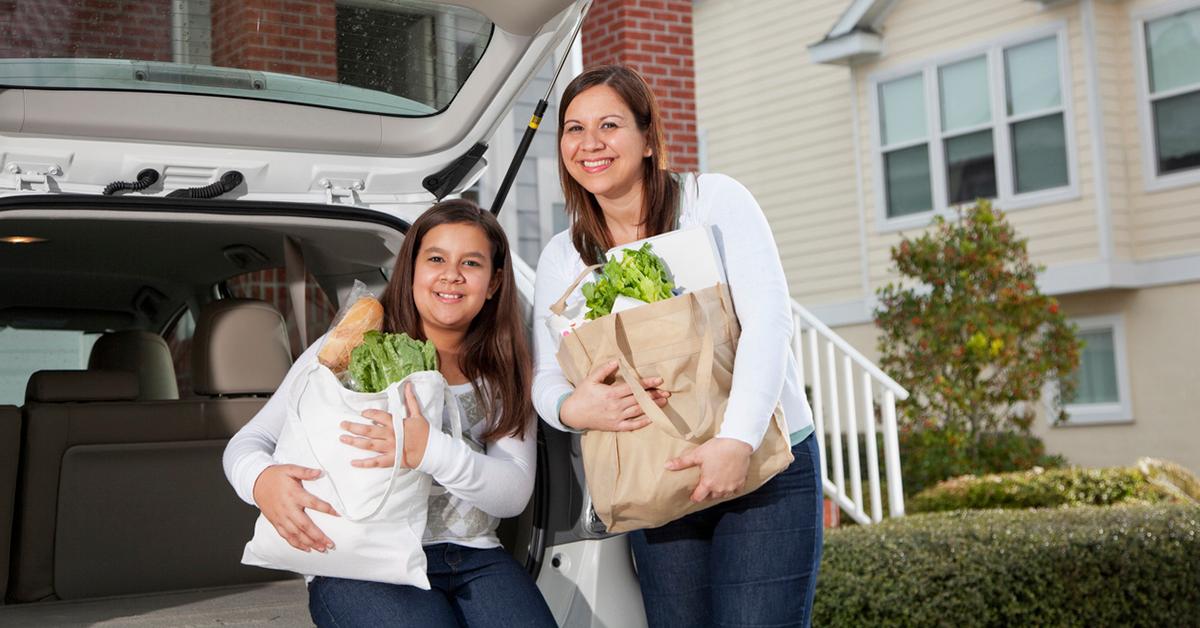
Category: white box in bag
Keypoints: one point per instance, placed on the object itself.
(691, 256)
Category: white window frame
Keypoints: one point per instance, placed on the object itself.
(1006, 199)
(1100, 413)
(1152, 180)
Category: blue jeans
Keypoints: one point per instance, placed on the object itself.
(470, 587)
(751, 561)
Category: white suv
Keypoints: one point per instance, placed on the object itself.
(151, 154)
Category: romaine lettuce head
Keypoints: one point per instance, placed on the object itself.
(383, 359)
(639, 274)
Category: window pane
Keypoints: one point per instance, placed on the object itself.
(1177, 132)
(1031, 75)
(903, 105)
(1096, 379)
(907, 173)
(970, 168)
(1174, 47)
(964, 94)
(1039, 149)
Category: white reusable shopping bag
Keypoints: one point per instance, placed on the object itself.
(383, 511)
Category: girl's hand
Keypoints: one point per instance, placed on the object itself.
(608, 407)
(723, 465)
(379, 437)
(282, 500)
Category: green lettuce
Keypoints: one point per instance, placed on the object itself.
(639, 274)
(383, 359)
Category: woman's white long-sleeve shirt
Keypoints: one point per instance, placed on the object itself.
(496, 478)
(764, 369)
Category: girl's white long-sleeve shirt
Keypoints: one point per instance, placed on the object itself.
(764, 371)
(495, 478)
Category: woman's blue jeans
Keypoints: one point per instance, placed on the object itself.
(751, 561)
(470, 587)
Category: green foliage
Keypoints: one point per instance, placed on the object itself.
(639, 274)
(930, 454)
(1086, 566)
(382, 359)
(967, 332)
(1039, 488)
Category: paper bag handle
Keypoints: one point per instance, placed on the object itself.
(560, 306)
(702, 378)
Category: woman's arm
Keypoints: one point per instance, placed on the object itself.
(550, 386)
(498, 482)
(760, 297)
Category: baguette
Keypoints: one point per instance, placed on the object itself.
(365, 315)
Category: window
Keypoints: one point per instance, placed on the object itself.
(991, 124)
(391, 57)
(1171, 91)
(26, 351)
(1102, 385)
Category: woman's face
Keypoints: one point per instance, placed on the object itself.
(453, 277)
(602, 147)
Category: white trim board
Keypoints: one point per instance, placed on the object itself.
(1057, 280)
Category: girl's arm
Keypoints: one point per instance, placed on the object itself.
(498, 482)
(760, 297)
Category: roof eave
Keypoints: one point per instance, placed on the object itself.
(849, 48)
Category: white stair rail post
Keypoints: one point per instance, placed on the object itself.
(852, 435)
(868, 402)
(818, 408)
(835, 420)
(891, 443)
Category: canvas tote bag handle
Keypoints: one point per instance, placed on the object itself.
(702, 378)
(560, 306)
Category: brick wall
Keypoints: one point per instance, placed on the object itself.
(287, 36)
(98, 29)
(655, 37)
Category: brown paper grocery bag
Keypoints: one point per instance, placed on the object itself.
(689, 341)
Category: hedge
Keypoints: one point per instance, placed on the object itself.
(1151, 481)
(1083, 566)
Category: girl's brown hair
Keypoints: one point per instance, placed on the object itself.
(494, 350)
(660, 192)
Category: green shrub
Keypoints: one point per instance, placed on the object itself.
(1040, 488)
(1086, 566)
(931, 454)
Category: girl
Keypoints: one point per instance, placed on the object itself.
(747, 561)
(452, 284)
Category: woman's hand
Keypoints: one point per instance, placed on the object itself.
(723, 465)
(608, 407)
(379, 437)
(282, 500)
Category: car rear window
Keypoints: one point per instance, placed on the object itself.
(393, 57)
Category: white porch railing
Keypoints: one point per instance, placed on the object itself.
(843, 385)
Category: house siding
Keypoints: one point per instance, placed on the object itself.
(781, 125)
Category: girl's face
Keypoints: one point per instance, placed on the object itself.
(602, 146)
(453, 277)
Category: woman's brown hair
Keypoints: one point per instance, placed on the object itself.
(660, 191)
(494, 350)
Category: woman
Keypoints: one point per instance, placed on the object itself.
(747, 561)
(453, 285)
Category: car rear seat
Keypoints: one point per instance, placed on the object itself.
(141, 352)
(118, 496)
(10, 451)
